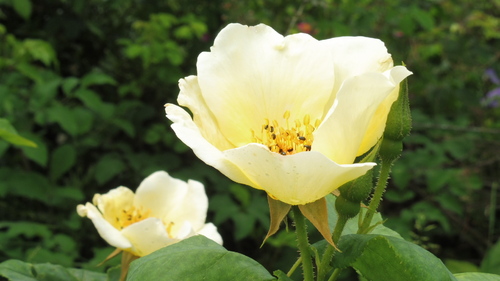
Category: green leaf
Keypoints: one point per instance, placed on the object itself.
(196, 258)
(8, 133)
(379, 257)
(108, 167)
(352, 224)
(475, 276)
(281, 276)
(491, 261)
(114, 273)
(30, 185)
(30, 71)
(69, 85)
(22, 8)
(40, 50)
(65, 118)
(96, 78)
(423, 17)
(93, 101)
(458, 266)
(63, 159)
(15, 270)
(38, 154)
(126, 126)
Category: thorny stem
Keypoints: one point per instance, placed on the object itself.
(324, 267)
(303, 244)
(377, 197)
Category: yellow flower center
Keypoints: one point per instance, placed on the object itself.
(134, 214)
(131, 215)
(293, 138)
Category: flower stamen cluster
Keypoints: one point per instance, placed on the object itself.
(131, 215)
(287, 140)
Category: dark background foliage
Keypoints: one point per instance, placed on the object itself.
(86, 80)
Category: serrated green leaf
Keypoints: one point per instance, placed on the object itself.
(8, 133)
(352, 224)
(476, 276)
(15, 270)
(22, 8)
(381, 258)
(196, 258)
(63, 159)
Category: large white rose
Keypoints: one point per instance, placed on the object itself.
(287, 115)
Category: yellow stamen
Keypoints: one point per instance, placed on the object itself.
(287, 140)
(131, 215)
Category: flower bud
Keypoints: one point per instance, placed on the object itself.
(358, 190)
(346, 208)
(398, 126)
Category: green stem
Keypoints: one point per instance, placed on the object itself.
(324, 266)
(294, 267)
(377, 197)
(303, 244)
(335, 274)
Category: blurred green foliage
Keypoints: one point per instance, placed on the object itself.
(85, 82)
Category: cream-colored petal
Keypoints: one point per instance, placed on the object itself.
(294, 179)
(160, 193)
(357, 55)
(192, 208)
(189, 134)
(190, 96)
(254, 73)
(114, 202)
(342, 132)
(184, 231)
(209, 230)
(377, 124)
(147, 236)
(109, 233)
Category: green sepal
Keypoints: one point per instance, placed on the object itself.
(398, 123)
(277, 212)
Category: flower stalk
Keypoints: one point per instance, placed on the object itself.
(377, 197)
(303, 244)
(324, 266)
